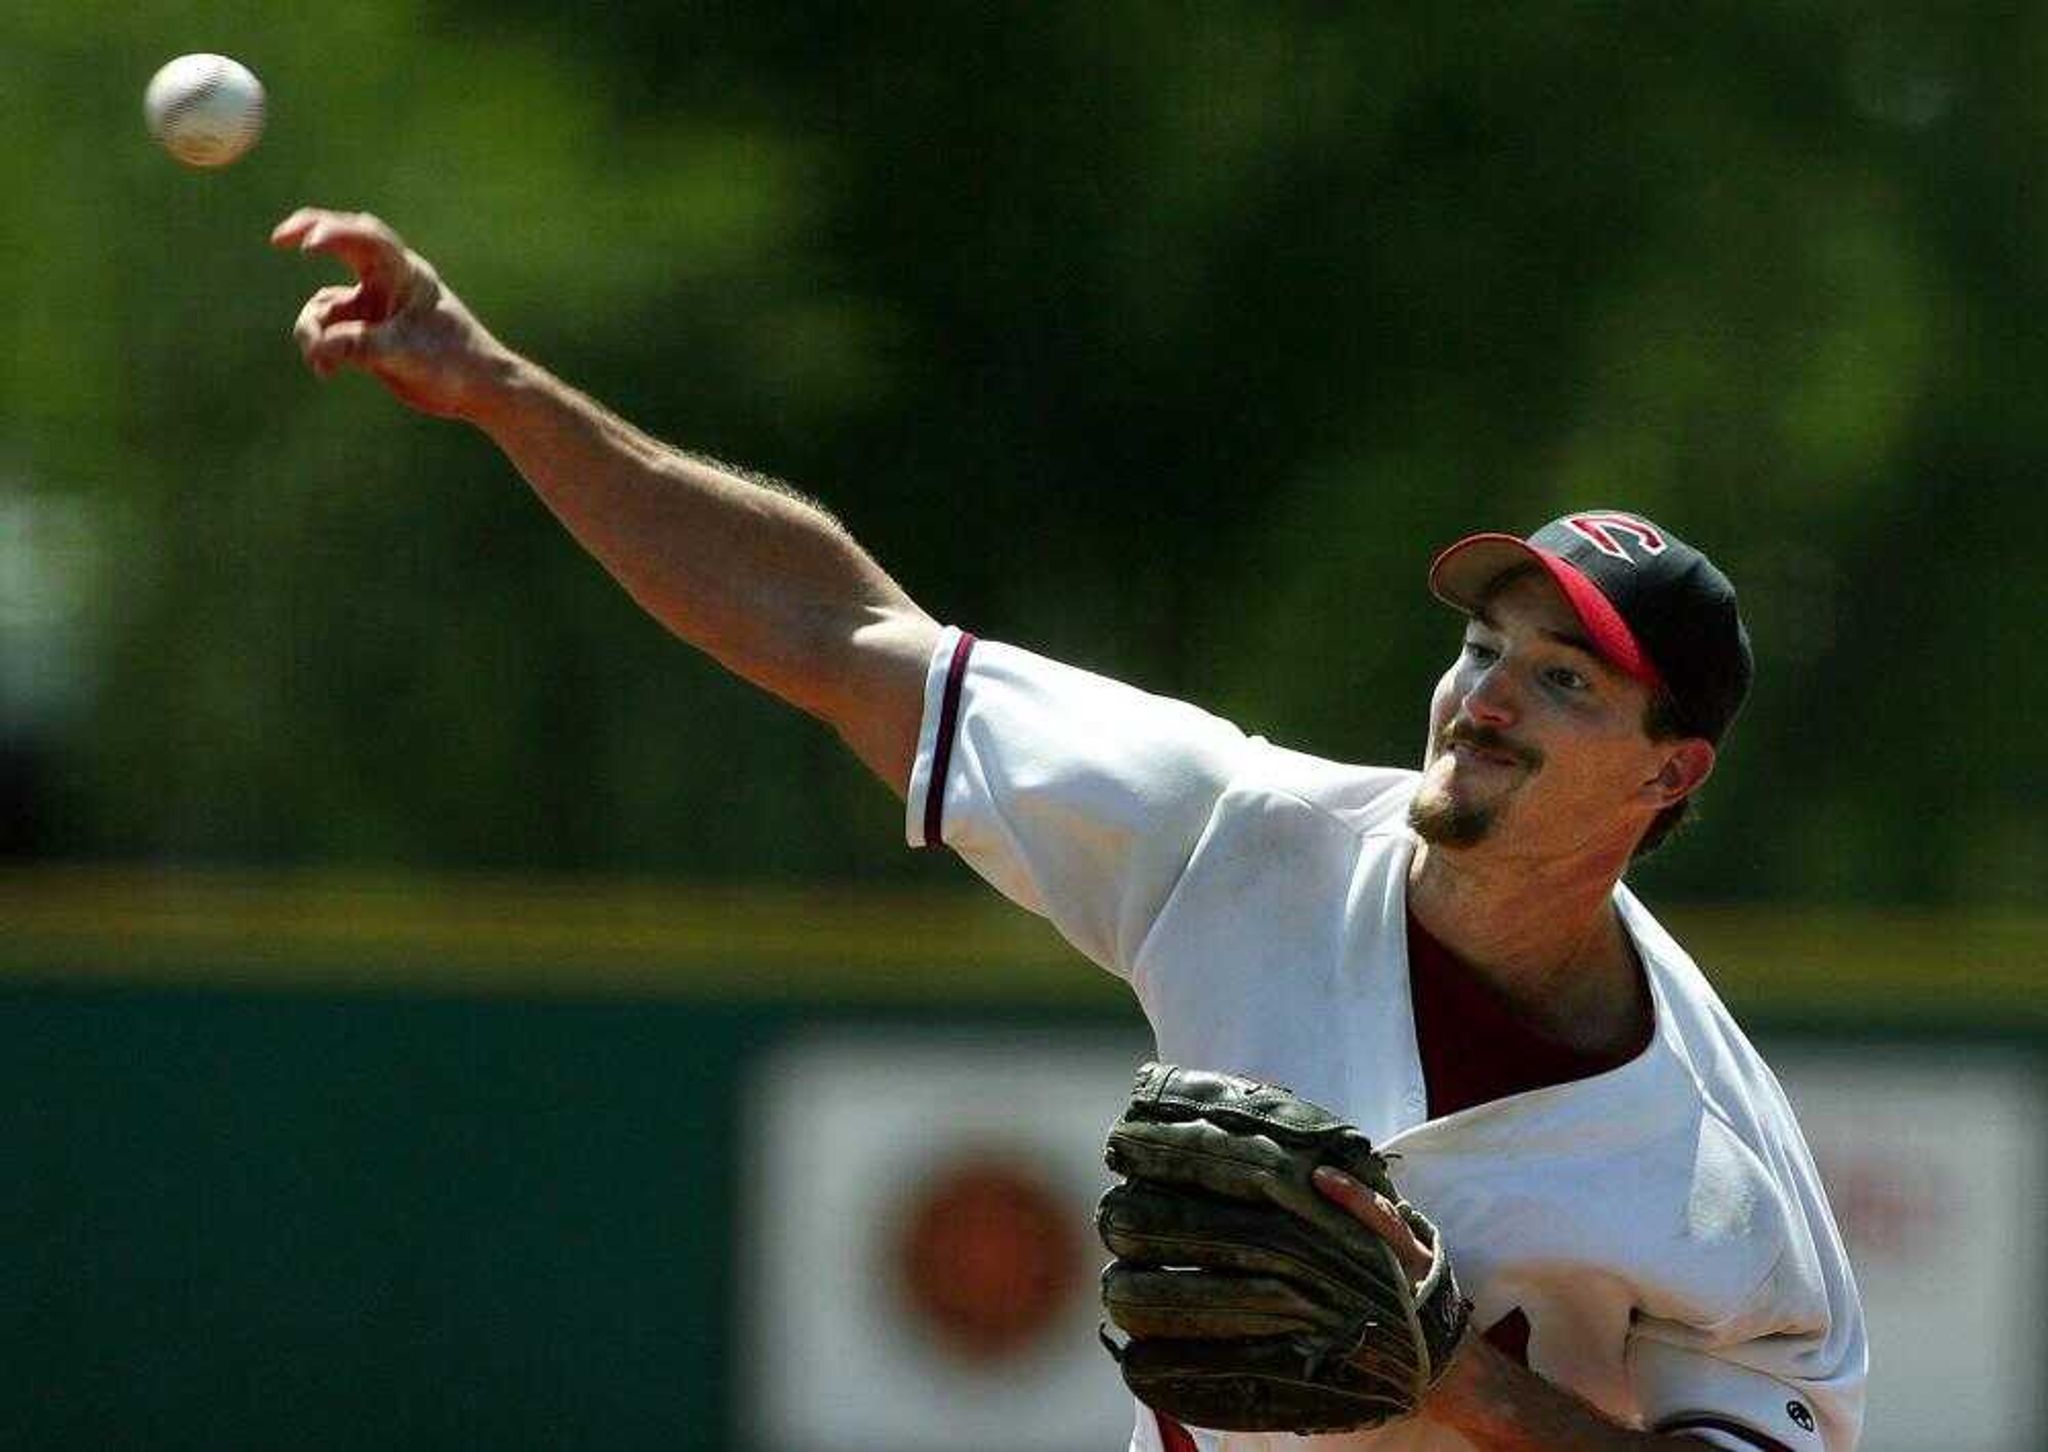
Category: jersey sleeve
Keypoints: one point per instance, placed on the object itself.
(1078, 797)
(1729, 1404)
(1788, 1373)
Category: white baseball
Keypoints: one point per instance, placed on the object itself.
(205, 110)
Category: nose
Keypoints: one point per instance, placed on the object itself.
(1491, 700)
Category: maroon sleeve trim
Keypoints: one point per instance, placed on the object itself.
(1694, 1422)
(942, 748)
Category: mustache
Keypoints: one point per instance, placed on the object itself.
(1487, 738)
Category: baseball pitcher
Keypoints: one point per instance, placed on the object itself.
(1580, 1189)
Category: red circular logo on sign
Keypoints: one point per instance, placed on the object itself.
(987, 1256)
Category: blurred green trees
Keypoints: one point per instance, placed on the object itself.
(1168, 340)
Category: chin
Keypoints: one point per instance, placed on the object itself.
(1440, 819)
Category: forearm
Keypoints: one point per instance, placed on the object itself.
(768, 584)
(1500, 1405)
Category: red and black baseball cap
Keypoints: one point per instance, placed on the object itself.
(1654, 607)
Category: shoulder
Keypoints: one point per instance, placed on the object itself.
(1292, 833)
(1009, 701)
(1360, 799)
(1026, 702)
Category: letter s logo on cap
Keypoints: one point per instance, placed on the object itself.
(1602, 530)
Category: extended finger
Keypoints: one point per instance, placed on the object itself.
(364, 244)
(288, 232)
(1378, 1215)
(315, 228)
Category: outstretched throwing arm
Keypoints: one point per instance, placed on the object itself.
(767, 583)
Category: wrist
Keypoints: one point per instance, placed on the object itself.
(1468, 1395)
(502, 384)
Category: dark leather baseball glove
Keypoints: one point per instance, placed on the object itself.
(1249, 1301)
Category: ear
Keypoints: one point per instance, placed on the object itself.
(1687, 763)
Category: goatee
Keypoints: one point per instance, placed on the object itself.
(1438, 820)
(1436, 817)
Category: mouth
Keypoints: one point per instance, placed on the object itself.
(1464, 751)
(1468, 747)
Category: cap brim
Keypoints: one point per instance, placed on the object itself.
(1462, 575)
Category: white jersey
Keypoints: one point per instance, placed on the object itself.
(1659, 1227)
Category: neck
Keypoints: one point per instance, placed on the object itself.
(1545, 934)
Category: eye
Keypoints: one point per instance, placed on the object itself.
(1482, 654)
(1568, 679)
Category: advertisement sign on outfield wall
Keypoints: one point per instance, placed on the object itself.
(925, 1247)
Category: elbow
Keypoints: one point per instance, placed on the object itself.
(872, 692)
